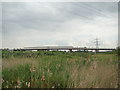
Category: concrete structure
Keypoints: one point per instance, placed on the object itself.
(70, 48)
(49, 48)
(57, 48)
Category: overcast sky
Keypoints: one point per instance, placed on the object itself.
(59, 23)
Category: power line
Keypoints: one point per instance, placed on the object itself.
(70, 12)
(88, 8)
(99, 11)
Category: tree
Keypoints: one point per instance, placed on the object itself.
(118, 50)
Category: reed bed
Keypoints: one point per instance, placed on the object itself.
(55, 69)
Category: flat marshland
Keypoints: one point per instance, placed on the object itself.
(55, 69)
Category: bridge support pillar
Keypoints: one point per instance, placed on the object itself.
(85, 49)
(38, 50)
(96, 51)
(70, 50)
(47, 50)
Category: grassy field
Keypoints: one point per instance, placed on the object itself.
(55, 69)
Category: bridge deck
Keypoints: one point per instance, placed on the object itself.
(65, 48)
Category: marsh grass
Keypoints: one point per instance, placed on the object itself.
(59, 70)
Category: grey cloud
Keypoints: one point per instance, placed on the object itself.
(20, 19)
(46, 15)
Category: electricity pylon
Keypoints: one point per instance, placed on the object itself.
(97, 44)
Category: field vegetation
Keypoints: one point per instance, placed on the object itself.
(57, 69)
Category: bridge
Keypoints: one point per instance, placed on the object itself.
(57, 48)
(70, 48)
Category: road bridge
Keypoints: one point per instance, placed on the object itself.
(70, 48)
(57, 48)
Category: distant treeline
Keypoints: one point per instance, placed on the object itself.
(118, 50)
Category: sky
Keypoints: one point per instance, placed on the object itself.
(77, 24)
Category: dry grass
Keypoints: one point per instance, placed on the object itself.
(18, 61)
(99, 76)
(95, 71)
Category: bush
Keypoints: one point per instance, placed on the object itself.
(118, 51)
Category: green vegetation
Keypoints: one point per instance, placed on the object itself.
(55, 69)
(118, 50)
